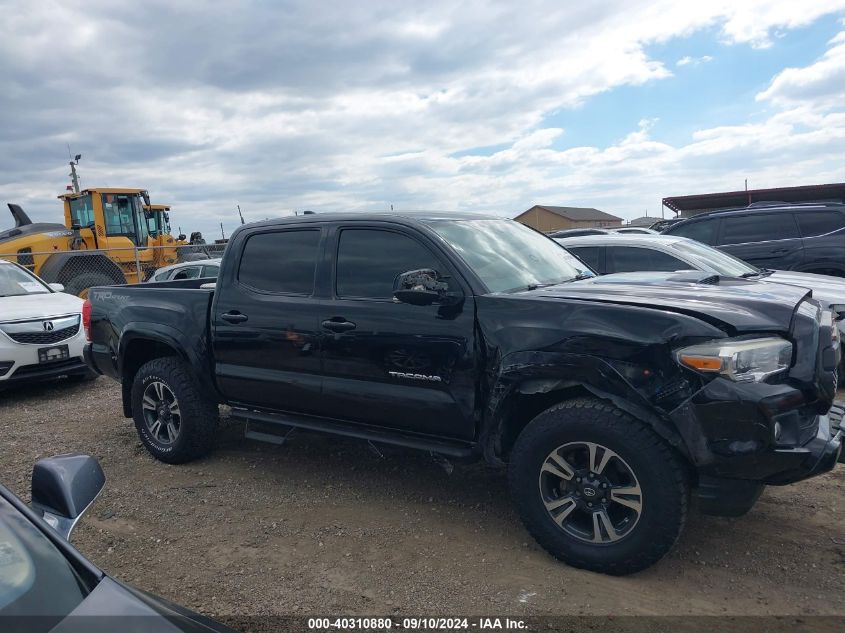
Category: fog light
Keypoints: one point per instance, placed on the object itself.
(777, 431)
(5, 366)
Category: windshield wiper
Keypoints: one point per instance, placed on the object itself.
(762, 272)
(580, 277)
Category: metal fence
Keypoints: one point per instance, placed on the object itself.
(78, 270)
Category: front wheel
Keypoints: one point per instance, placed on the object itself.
(597, 488)
(175, 421)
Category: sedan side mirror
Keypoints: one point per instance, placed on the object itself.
(421, 287)
(64, 487)
(57, 287)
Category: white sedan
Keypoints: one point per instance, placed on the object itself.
(41, 330)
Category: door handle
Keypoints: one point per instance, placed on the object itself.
(234, 317)
(338, 324)
(780, 250)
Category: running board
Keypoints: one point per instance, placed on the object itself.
(274, 427)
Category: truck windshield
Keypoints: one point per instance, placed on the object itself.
(509, 256)
(15, 282)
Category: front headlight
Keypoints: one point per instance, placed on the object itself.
(741, 360)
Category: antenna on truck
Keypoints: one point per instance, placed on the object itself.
(241, 214)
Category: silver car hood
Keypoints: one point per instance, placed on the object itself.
(826, 289)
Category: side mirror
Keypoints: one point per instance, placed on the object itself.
(419, 287)
(181, 237)
(57, 287)
(64, 487)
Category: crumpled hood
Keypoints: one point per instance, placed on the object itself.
(38, 306)
(744, 305)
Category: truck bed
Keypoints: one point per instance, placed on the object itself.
(176, 311)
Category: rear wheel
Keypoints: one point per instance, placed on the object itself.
(174, 420)
(597, 488)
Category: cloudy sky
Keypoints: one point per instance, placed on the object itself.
(282, 106)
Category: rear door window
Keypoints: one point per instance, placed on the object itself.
(188, 272)
(703, 231)
(283, 262)
(758, 227)
(628, 259)
(814, 223)
(590, 255)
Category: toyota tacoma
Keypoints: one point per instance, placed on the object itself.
(611, 400)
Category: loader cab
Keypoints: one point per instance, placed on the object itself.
(158, 220)
(111, 220)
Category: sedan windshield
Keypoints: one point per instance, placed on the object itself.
(508, 256)
(713, 260)
(16, 281)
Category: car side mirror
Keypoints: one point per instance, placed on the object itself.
(181, 237)
(64, 487)
(421, 287)
(57, 287)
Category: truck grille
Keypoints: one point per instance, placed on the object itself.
(44, 338)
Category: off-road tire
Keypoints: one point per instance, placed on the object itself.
(658, 468)
(80, 283)
(199, 415)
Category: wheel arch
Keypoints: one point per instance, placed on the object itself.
(522, 390)
(142, 342)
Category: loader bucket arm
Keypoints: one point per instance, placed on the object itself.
(21, 218)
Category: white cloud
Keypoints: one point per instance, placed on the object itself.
(821, 84)
(694, 61)
(281, 106)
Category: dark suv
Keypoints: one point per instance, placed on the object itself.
(803, 237)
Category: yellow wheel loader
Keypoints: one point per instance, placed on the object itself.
(105, 240)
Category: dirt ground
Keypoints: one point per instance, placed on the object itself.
(326, 525)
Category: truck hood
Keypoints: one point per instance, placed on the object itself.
(744, 305)
(39, 306)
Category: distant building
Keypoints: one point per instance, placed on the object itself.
(687, 206)
(644, 221)
(545, 218)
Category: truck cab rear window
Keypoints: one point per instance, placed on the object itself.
(282, 262)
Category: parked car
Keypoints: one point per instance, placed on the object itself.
(40, 329)
(634, 230)
(608, 398)
(806, 237)
(577, 232)
(662, 225)
(205, 269)
(47, 585)
(632, 253)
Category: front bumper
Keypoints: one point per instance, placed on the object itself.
(19, 361)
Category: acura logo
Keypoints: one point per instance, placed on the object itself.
(48, 326)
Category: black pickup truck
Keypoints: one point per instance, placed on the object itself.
(611, 399)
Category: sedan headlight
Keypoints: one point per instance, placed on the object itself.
(741, 360)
